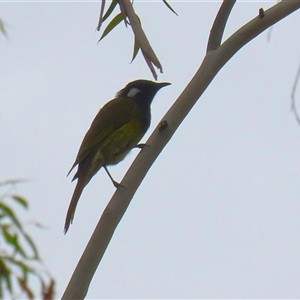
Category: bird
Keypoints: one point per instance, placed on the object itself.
(117, 128)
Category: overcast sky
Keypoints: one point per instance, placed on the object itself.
(218, 215)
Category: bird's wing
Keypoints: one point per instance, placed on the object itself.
(111, 116)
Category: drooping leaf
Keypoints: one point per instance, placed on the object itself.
(5, 275)
(136, 46)
(110, 10)
(136, 49)
(113, 23)
(13, 240)
(18, 252)
(9, 213)
(24, 268)
(9, 238)
(33, 247)
(25, 288)
(20, 200)
(48, 290)
(2, 28)
(169, 6)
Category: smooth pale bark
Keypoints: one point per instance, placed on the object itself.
(211, 65)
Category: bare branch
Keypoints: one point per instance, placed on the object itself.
(218, 28)
(211, 65)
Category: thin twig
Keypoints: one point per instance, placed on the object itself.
(293, 97)
(101, 15)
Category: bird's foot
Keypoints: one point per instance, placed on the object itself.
(117, 184)
(141, 146)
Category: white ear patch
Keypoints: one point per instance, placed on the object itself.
(133, 92)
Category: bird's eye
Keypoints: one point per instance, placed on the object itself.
(133, 92)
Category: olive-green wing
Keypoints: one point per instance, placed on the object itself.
(111, 116)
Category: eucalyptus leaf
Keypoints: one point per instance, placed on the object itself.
(110, 10)
(136, 46)
(136, 49)
(5, 276)
(20, 200)
(9, 213)
(169, 6)
(113, 23)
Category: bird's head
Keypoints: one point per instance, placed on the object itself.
(142, 91)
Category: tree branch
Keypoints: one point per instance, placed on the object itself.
(218, 28)
(212, 63)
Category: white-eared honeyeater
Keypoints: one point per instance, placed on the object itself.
(116, 129)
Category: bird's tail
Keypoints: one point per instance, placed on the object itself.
(81, 183)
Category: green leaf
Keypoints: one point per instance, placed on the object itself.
(136, 49)
(24, 268)
(2, 28)
(110, 10)
(20, 200)
(9, 213)
(33, 247)
(18, 253)
(13, 240)
(169, 6)
(5, 275)
(136, 46)
(10, 239)
(113, 23)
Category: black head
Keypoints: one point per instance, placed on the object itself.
(142, 91)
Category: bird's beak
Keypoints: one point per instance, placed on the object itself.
(163, 84)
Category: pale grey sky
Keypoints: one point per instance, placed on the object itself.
(218, 214)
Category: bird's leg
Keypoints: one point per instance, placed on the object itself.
(115, 183)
